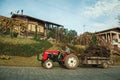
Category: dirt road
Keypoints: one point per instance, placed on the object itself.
(58, 73)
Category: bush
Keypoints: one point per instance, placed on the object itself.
(15, 34)
(23, 49)
(77, 49)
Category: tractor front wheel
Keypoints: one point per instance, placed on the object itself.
(71, 61)
(48, 64)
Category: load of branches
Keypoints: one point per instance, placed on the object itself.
(96, 51)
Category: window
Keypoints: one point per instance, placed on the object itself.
(29, 27)
(32, 27)
(38, 29)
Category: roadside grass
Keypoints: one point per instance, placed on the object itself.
(22, 51)
(22, 61)
(22, 46)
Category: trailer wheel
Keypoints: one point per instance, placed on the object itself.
(71, 61)
(48, 64)
(105, 65)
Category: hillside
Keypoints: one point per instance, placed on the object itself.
(22, 46)
(22, 51)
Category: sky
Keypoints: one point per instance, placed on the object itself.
(80, 15)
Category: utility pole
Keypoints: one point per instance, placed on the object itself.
(84, 41)
(84, 28)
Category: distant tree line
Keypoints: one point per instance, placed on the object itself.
(63, 35)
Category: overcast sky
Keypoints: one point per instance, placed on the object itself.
(79, 15)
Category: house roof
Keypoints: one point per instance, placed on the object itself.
(112, 29)
(39, 20)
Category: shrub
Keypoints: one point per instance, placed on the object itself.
(23, 49)
(15, 34)
(77, 49)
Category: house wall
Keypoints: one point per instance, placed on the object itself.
(31, 27)
(41, 28)
(112, 37)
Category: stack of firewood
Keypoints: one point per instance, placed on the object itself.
(9, 23)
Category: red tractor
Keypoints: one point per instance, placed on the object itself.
(70, 61)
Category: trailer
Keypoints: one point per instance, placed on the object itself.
(104, 62)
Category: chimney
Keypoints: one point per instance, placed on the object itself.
(21, 12)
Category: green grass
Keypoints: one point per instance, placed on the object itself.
(22, 46)
(77, 49)
(22, 61)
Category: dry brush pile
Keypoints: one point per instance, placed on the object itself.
(10, 25)
(85, 39)
(96, 51)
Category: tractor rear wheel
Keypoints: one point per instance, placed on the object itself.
(48, 64)
(71, 61)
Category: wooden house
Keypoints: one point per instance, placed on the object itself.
(43, 27)
(111, 36)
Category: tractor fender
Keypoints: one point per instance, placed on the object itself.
(65, 55)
